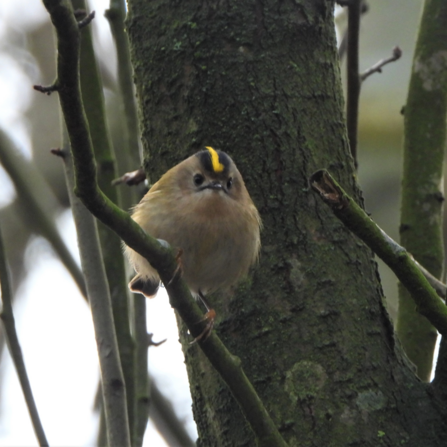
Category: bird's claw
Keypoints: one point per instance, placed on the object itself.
(210, 316)
(179, 268)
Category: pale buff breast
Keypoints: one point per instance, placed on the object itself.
(214, 232)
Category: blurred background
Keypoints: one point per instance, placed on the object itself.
(54, 322)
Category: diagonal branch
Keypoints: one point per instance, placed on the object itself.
(35, 197)
(7, 317)
(86, 20)
(396, 257)
(166, 420)
(160, 257)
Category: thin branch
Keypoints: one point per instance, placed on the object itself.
(160, 257)
(377, 68)
(344, 40)
(116, 15)
(39, 201)
(12, 339)
(166, 420)
(151, 342)
(169, 425)
(142, 379)
(131, 178)
(86, 21)
(353, 77)
(94, 106)
(80, 13)
(129, 154)
(396, 257)
(58, 152)
(46, 89)
(439, 286)
(130, 157)
(113, 385)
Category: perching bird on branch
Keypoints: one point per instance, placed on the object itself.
(202, 208)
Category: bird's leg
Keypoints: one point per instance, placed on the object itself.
(179, 268)
(209, 317)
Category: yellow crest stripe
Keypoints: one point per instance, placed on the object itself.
(217, 165)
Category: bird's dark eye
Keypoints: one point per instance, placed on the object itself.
(230, 183)
(198, 179)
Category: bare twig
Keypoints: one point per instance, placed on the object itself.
(131, 178)
(86, 21)
(80, 13)
(12, 339)
(150, 342)
(46, 89)
(396, 257)
(439, 286)
(58, 152)
(377, 68)
(350, 43)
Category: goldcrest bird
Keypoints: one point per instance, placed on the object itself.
(202, 208)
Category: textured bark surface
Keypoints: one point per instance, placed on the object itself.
(260, 80)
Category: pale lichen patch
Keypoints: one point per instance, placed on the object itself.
(349, 416)
(371, 400)
(305, 380)
(296, 274)
(432, 70)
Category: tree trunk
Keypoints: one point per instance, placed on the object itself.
(261, 81)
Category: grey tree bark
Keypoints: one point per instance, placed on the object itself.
(260, 80)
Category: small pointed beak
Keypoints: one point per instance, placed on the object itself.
(215, 185)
